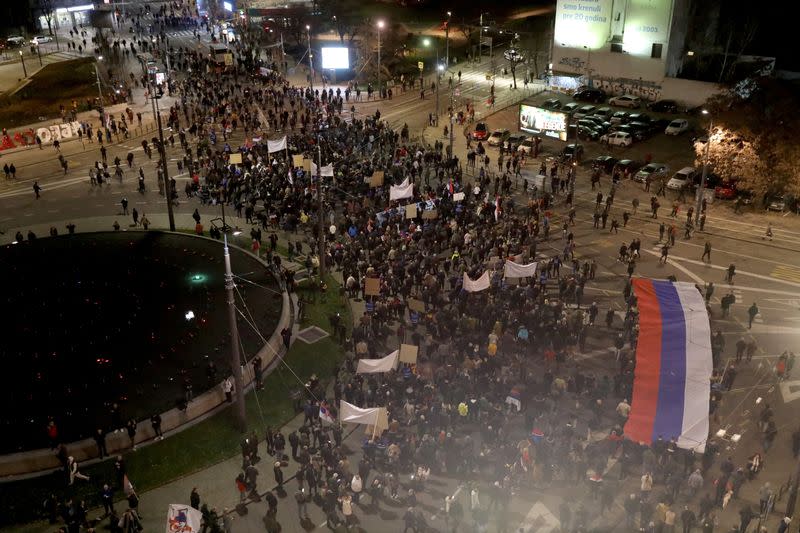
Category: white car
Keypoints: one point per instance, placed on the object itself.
(681, 179)
(677, 126)
(40, 39)
(617, 138)
(498, 137)
(626, 100)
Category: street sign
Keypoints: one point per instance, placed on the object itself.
(420, 65)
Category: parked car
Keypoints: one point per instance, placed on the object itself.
(650, 172)
(626, 100)
(570, 108)
(584, 111)
(777, 203)
(629, 166)
(617, 138)
(513, 141)
(526, 146)
(682, 178)
(594, 123)
(605, 162)
(640, 130)
(587, 133)
(640, 117)
(571, 152)
(637, 134)
(15, 41)
(620, 117)
(726, 190)
(590, 95)
(41, 39)
(480, 132)
(677, 126)
(663, 106)
(498, 137)
(552, 103)
(604, 112)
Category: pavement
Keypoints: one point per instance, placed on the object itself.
(768, 272)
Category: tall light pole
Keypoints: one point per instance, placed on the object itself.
(236, 358)
(320, 213)
(380, 25)
(701, 191)
(439, 68)
(310, 62)
(22, 58)
(447, 40)
(162, 149)
(100, 93)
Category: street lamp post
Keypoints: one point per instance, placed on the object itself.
(22, 58)
(236, 358)
(162, 149)
(310, 62)
(447, 40)
(100, 93)
(381, 24)
(702, 189)
(439, 68)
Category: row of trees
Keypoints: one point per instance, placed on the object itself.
(754, 137)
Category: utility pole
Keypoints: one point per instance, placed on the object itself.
(452, 124)
(162, 149)
(320, 214)
(380, 27)
(310, 62)
(447, 40)
(283, 55)
(100, 94)
(236, 359)
(480, 39)
(699, 203)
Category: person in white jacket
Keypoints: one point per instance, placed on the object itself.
(72, 468)
(356, 485)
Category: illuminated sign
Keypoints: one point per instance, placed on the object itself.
(583, 23)
(537, 120)
(227, 6)
(334, 57)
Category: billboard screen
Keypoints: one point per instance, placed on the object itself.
(537, 120)
(335, 57)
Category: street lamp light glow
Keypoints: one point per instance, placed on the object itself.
(381, 24)
(705, 111)
(440, 67)
(308, 27)
(426, 42)
(449, 14)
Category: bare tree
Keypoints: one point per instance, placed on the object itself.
(45, 7)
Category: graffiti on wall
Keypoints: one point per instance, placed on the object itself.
(58, 132)
(646, 90)
(575, 63)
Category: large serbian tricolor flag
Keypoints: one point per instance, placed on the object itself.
(673, 365)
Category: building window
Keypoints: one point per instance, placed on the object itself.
(616, 48)
(656, 52)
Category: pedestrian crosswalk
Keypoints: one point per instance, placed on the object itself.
(785, 272)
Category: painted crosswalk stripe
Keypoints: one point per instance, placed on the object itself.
(786, 272)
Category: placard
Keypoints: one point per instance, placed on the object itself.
(377, 179)
(307, 165)
(416, 305)
(297, 160)
(372, 286)
(408, 353)
(458, 197)
(411, 211)
(430, 214)
(235, 159)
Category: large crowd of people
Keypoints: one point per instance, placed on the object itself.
(504, 394)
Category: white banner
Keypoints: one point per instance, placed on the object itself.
(374, 366)
(404, 190)
(356, 415)
(480, 284)
(276, 146)
(514, 270)
(183, 519)
(326, 170)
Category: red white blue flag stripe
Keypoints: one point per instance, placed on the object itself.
(673, 365)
